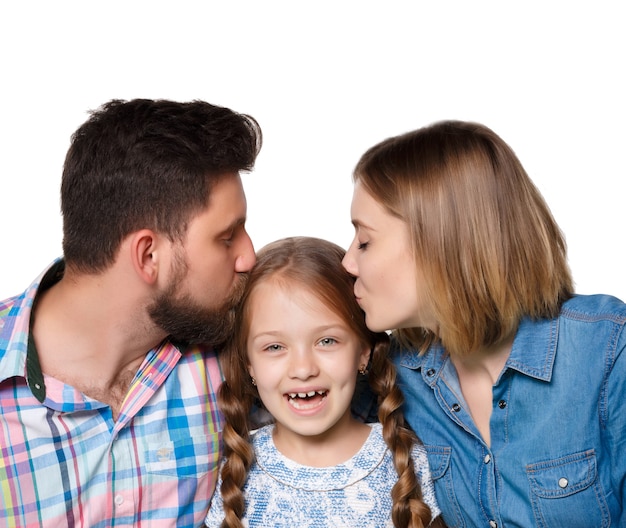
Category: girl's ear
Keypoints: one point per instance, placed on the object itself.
(364, 357)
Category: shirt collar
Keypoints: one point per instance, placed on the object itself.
(17, 326)
(534, 348)
(34, 376)
(532, 354)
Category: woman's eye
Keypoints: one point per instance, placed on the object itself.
(273, 348)
(327, 341)
(362, 245)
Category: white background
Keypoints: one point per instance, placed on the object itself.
(326, 80)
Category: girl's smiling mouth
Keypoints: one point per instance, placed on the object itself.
(306, 400)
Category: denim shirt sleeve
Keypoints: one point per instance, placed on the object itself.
(613, 412)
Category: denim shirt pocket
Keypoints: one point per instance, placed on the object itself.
(441, 473)
(566, 491)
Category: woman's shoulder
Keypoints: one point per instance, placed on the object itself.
(595, 307)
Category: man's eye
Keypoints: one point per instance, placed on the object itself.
(228, 237)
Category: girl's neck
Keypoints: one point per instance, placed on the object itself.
(330, 448)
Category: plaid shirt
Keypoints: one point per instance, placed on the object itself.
(64, 461)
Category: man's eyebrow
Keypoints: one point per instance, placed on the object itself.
(232, 226)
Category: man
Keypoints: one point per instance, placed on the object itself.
(108, 374)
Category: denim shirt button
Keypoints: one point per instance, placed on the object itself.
(493, 524)
(487, 459)
(430, 372)
(456, 407)
(563, 482)
(502, 404)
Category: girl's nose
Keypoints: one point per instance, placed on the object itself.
(303, 365)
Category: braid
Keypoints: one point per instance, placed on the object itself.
(408, 510)
(235, 403)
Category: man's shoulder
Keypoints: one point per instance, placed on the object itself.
(12, 311)
(7, 305)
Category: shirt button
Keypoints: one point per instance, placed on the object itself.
(456, 407)
(487, 459)
(563, 482)
(119, 500)
(493, 524)
(430, 372)
(502, 404)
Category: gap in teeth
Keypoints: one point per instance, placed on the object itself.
(305, 395)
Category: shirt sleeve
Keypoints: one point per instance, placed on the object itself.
(613, 412)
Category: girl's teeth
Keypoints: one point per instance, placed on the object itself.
(309, 394)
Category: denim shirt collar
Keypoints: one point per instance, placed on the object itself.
(532, 354)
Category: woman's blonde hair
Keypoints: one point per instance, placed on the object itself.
(483, 237)
(313, 264)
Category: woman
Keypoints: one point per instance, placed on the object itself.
(514, 383)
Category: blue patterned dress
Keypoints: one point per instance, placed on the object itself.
(281, 493)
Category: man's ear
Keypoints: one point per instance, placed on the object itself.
(144, 252)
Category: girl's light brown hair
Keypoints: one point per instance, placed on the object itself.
(483, 237)
(314, 264)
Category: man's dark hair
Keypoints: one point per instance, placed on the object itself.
(146, 164)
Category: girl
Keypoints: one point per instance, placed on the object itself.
(514, 384)
(300, 344)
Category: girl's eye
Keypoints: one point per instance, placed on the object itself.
(327, 341)
(273, 348)
(362, 245)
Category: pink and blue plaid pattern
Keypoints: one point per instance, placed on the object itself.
(66, 463)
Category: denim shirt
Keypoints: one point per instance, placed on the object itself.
(558, 425)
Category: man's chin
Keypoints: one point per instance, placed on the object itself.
(187, 323)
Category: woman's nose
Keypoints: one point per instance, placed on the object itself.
(348, 261)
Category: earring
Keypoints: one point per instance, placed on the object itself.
(363, 370)
(253, 380)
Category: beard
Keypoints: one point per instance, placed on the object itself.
(184, 319)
